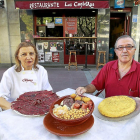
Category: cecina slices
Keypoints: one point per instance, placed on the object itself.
(117, 106)
(34, 102)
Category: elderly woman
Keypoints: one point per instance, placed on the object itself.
(26, 75)
(119, 77)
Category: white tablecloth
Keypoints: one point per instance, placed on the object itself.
(17, 127)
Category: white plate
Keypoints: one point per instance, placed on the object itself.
(28, 115)
(133, 114)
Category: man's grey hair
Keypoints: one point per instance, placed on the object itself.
(125, 36)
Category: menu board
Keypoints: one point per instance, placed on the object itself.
(71, 25)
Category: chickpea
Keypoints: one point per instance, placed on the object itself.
(74, 114)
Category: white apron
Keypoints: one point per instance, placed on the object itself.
(28, 81)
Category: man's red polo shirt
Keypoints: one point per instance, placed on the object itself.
(109, 79)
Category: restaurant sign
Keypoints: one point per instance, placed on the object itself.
(61, 4)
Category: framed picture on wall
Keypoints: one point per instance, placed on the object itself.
(41, 57)
(53, 46)
(45, 45)
(48, 56)
(40, 47)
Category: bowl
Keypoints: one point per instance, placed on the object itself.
(73, 121)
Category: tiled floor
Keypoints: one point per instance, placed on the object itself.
(61, 78)
(90, 75)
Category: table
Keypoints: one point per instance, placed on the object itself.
(17, 127)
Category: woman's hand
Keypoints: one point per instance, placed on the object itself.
(80, 90)
(4, 104)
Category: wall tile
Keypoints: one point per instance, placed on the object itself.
(4, 38)
(13, 49)
(10, 5)
(14, 29)
(5, 57)
(15, 40)
(13, 16)
(3, 18)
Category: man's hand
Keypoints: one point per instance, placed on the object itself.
(80, 90)
(88, 89)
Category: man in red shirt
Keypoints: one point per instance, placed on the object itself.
(119, 77)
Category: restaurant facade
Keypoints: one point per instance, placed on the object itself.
(55, 27)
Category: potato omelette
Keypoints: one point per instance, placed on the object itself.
(117, 106)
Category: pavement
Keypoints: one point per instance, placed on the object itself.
(60, 78)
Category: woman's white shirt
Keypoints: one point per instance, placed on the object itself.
(15, 83)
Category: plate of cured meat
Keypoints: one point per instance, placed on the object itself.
(34, 103)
